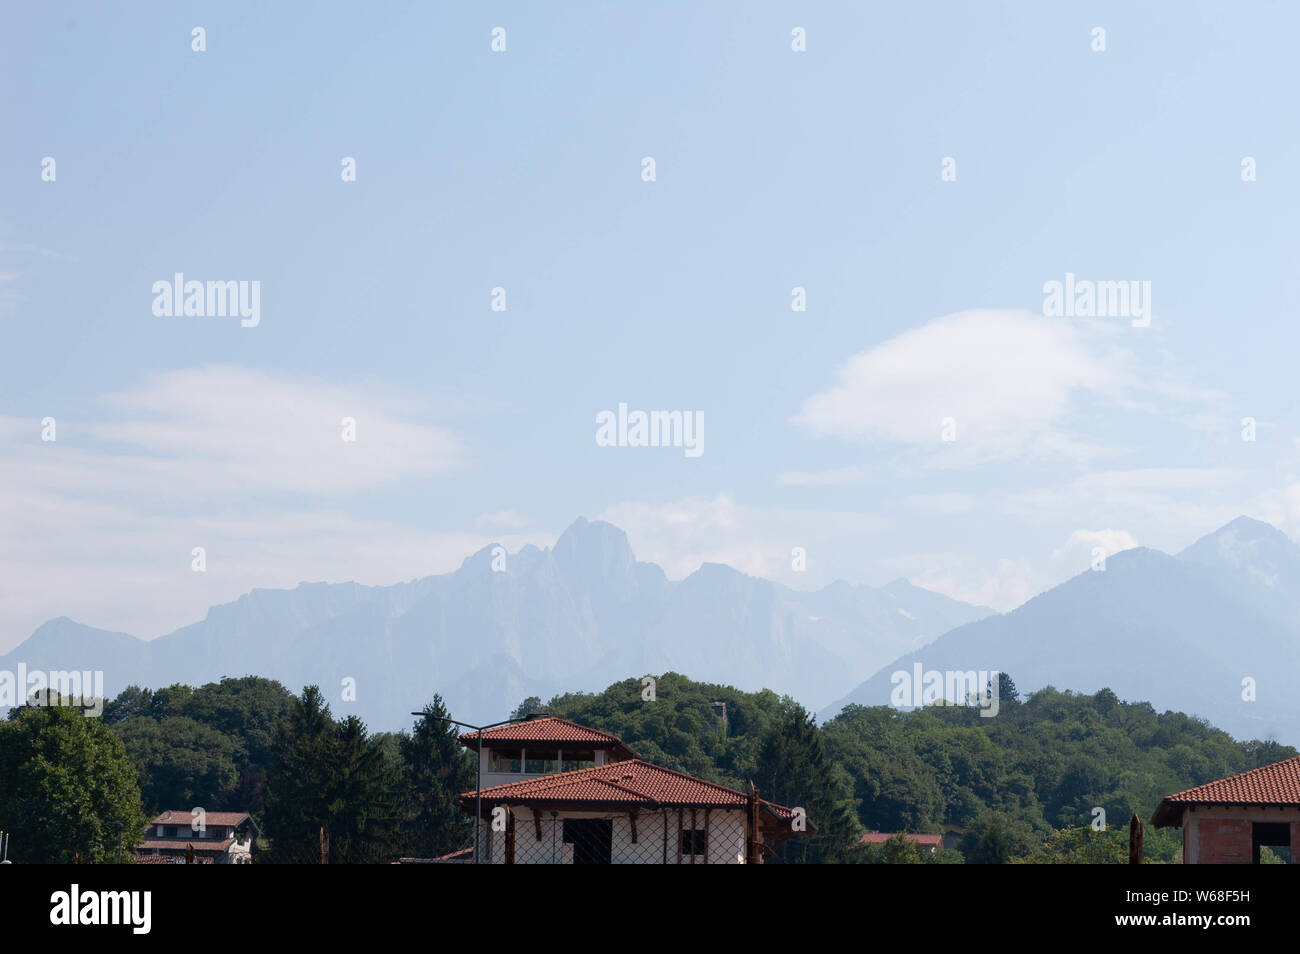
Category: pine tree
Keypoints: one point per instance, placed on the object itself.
(435, 769)
(329, 775)
(296, 792)
(363, 816)
(794, 770)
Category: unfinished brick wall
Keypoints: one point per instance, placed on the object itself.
(1223, 842)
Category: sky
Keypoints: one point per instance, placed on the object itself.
(921, 171)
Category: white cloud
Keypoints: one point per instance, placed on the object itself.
(680, 535)
(1014, 384)
(1168, 502)
(1158, 479)
(1076, 555)
(835, 477)
(227, 428)
(124, 569)
(501, 520)
(947, 503)
(38, 250)
(99, 525)
(1001, 584)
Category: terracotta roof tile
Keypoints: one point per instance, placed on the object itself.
(211, 818)
(167, 860)
(880, 837)
(1276, 784)
(630, 782)
(179, 844)
(546, 729)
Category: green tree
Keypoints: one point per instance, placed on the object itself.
(994, 839)
(329, 775)
(794, 770)
(209, 747)
(66, 784)
(363, 815)
(253, 710)
(182, 764)
(298, 792)
(129, 703)
(529, 706)
(1080, 846)
(900, 850)
(436, 768)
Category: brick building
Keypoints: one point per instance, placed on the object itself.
(1228, 821)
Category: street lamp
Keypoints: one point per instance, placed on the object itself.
(478, 766)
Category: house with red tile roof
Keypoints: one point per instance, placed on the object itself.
(925, 843)
(615, 809)
(218, 838)
(1227, 822)
(541, 745)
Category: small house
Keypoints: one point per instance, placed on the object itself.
(1227, 822)
(223, 838)
(925, 844)
(563, 793)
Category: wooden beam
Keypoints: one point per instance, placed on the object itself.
(706, 836)
(679, 836)
(632, 818)
(510, 837)
(537, 822)
(693, 831)
(751, 827)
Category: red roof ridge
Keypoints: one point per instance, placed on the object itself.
(174, 817)
(599, 773)
(612, 775)
(538, 721)
(1275, 784)
(692, 778)
(199, 844)
(1217, 790)
(543, 782)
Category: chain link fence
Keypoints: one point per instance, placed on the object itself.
(669, 835)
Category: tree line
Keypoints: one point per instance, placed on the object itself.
(1052, 779)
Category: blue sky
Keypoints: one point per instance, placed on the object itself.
(523, 169)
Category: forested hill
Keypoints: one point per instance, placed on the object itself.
(1042, 764)
(1025, 784)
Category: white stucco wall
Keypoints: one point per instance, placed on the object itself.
(726, 837)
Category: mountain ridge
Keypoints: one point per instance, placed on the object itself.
(1182, 631)
(575, 616)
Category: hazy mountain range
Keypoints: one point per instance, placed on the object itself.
(1181, 632)
(577, 616)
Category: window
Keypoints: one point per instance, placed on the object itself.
(578, 759)
(693, 841)
(541, 761)
(505, 760)
(1270, 842)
